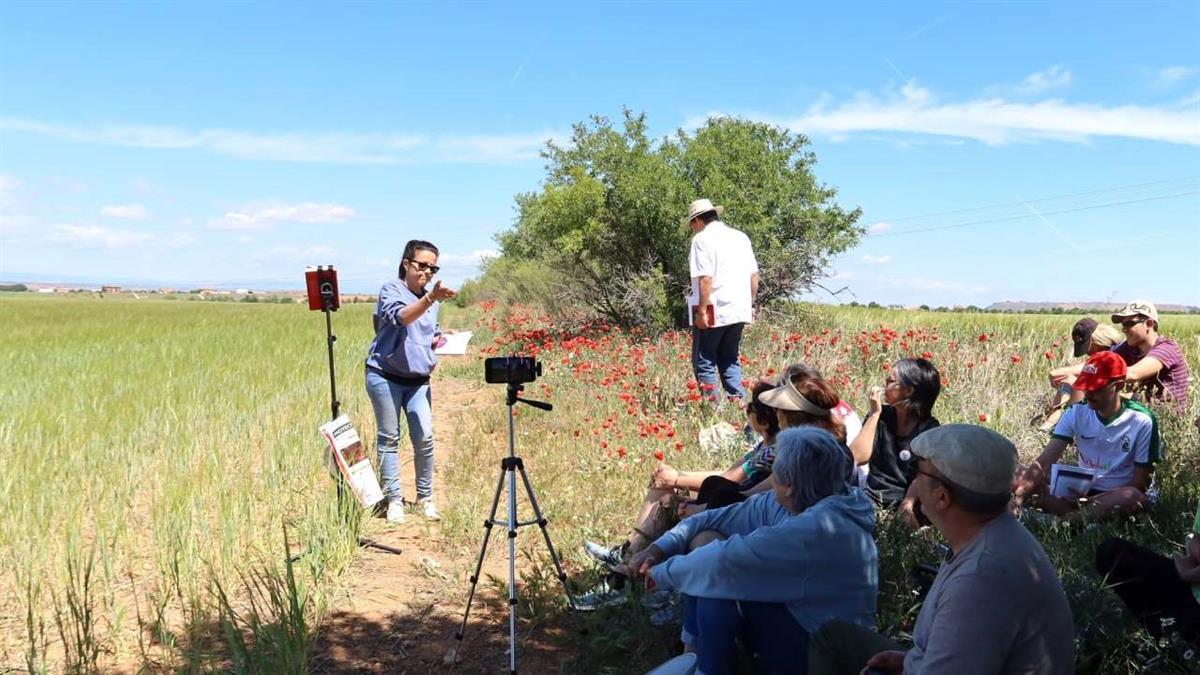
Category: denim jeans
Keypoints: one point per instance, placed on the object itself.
(769, 630)
(390, 400)
(716, 350)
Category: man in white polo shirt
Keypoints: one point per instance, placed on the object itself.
(1117, 439)
(724, 290)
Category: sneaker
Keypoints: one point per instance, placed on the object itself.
(603, 594)
(684, 664)
(660, 599)
(426, 508)
(395, 511)
(610, 557)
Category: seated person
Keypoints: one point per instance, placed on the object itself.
(996, 605)
(661, 501)
(900, 411)
(1116, 437)
(1089, 337)
(1156, 364)
(1157, 368)
(781, 564)
(1163, 593)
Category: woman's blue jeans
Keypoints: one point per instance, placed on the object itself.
(769, 630)
(415, 403)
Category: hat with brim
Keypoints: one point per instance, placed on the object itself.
(1081, 335)
(701, 207)
(1136, 308)
(1100, 370)
(974, 457)
(787, 397)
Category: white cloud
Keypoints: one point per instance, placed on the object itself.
(1173, 75)
(876, 259)
(327, 147)
(1053, 77)
(125, 211)
(470, 260)
(879, 228)
(266, 217)
(94, 236)
(181, 239)
(994, 120)
(9, 187)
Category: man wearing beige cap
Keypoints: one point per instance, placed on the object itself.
(724, 276)
(996, 605)
(1156, 364)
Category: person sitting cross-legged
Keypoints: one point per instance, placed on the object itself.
(996, 605)
(1117, 439)
(778, 565)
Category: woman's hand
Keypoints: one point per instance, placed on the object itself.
(875, 398)
(639, 565)
(440, 293)
(888, 663)
(664, 477)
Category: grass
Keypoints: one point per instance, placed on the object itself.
(157, 452)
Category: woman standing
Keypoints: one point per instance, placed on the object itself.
(399, 364)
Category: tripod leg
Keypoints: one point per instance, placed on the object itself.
(512, 566)
(487, 533)
(541, 521)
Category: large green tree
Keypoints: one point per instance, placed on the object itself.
(607, 221)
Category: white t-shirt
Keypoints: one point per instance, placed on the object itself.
(725, 254)
(1113, 448)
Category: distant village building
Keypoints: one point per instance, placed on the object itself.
(110, 289)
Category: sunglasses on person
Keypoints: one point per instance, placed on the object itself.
(425, 267)
(1130, 323)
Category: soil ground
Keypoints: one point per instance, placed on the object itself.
(400, 613)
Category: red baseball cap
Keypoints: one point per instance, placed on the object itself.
(1100, 369)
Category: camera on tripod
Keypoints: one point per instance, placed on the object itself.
(511, 370)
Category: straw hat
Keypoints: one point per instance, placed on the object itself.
(700, 207)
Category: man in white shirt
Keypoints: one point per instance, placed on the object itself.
(724, 290)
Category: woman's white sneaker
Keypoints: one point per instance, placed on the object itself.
(427, 509)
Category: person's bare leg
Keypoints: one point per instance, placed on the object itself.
(651, 522)
(1116, 502)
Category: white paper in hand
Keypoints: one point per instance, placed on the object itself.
(453, 344)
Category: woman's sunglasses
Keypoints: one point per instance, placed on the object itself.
(425, 267)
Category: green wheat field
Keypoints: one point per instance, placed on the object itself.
(164, 503)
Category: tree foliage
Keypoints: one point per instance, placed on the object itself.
(607, 220)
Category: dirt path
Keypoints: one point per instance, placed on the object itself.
(399, 613)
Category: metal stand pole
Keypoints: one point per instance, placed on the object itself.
(347, 510)
(509, 466)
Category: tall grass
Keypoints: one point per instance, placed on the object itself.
(156, 451)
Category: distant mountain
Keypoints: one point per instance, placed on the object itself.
(1097, 307)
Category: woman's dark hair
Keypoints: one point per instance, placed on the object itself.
(764, 413)
(820, 393)
(411, 248)
(925, 382)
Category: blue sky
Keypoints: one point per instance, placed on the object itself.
(998, 151)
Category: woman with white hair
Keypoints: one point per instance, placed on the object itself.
(778, 565)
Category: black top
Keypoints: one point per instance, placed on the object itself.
(892, 466)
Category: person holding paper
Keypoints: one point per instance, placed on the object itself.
(1117, 438)
(399, 363)
(724, 275)
(1163, 593)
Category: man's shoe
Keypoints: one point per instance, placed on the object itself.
(603, 594)
(395, 511)
(610, 557)
(427, 509)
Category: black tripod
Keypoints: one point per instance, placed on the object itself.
(345, 506)
(509, 466)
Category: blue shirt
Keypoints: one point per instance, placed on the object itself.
(403, 351)
(822, 563)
